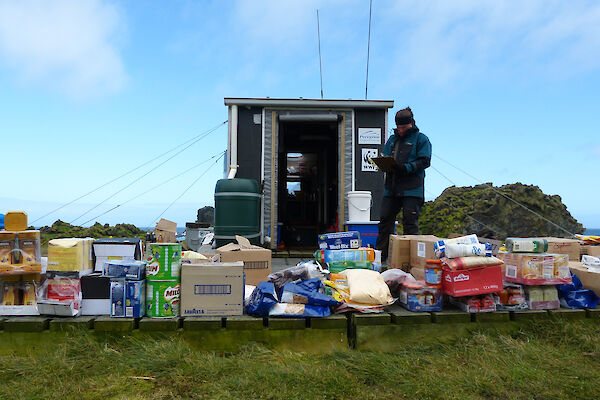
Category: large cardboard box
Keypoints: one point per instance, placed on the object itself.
(399, 252)
(212, 289)
(257, 261)
(471, 282)
(421, 249)
(589, 279)
(564, 246)
(165, 231)
(73, 254)
(535, 268)
(589, 250)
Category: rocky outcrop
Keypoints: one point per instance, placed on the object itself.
(498, 212)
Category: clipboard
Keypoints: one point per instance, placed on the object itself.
(384, 163)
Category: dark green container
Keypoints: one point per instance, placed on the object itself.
(237, 210)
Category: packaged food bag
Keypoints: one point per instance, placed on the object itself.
(367, 287)
(307, 293)
(298, 310)
(262, 300)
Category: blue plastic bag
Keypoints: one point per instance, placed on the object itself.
(263, 298)
(306, 292)
(299, 311)
(573, 295)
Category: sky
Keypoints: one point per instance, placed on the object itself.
(507, 91)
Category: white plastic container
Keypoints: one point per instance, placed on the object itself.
(359, 206)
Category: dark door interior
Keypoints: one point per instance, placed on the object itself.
(307, 177)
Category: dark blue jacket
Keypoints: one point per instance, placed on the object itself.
(413, 154)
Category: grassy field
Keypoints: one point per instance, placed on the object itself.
(547, 360)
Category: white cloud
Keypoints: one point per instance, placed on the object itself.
(69, 46)
(447, 41)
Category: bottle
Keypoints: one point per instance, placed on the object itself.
(526, 245)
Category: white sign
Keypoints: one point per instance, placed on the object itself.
(369, 135)
(366, 155)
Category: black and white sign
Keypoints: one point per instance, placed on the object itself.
(366, 155)
(369, 135)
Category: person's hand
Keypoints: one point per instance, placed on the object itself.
(400, 169)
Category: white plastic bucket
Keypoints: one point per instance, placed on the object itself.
(359, 206)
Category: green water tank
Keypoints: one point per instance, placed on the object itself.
(237, 210)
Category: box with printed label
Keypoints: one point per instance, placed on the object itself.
(126, 298)
(535, 268)
(212, 289)
(416, 296)
(339, 240)
(132, 270)
(571, 247)
(111, 249)
(470, 282)
(421, 249)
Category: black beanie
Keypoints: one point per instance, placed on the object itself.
(404, 117)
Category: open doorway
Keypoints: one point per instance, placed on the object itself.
(308, 181)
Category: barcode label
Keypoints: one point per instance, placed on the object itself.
(212, 289)
(256, 264)
(129, 312)
(511, 271)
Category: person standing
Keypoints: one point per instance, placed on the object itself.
(404, 187)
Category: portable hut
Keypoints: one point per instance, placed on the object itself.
(307, 155)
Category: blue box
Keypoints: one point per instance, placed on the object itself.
(368, 230)
(339, 240)
(133, 270)
(421, 302)
(127, 298)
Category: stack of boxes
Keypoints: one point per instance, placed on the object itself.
(469, 275)
(528, 262)
(126, 288)
(96, 287)
(163, 280)
(20, 266)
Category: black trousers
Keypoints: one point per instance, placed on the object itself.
(390, 207)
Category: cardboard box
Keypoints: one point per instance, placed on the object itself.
(421, 249)
(73, 254)
(165, 231)
(127, 298)
(257, 261)
(95, 295)
(496, 244)
(132, 270)
(110, 249)
(339, 240)
(399, 252)
(589, 250)
(471, 282)
(564, 246)
(535, 268)
(212, 289)
(589, 279)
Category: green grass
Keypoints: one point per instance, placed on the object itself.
(549, 360)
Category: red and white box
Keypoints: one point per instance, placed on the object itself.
(473, 281)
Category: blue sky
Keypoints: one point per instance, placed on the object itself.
(505, 90)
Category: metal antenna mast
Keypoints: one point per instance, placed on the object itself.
(368, 49)
(320, 63)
